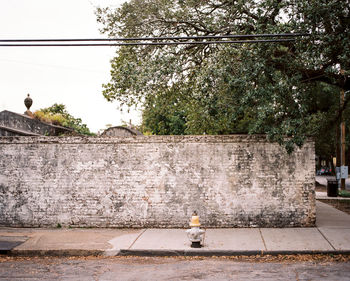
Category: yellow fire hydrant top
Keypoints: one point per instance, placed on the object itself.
(195, 221)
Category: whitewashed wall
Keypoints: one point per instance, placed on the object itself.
(157, 181)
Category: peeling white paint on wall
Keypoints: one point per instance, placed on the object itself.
(156, 181)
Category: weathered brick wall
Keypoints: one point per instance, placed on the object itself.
(232, 181)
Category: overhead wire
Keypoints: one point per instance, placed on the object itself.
(163, 37)
(148, 43)
(139, 41)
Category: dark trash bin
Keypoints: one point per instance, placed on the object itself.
(332, 188)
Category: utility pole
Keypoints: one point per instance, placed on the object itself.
(338, 150)
(342, 138)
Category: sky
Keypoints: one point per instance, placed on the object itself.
(69, 75)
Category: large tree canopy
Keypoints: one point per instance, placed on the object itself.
(281, 89)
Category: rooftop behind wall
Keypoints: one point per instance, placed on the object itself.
(12, 124)
(156, 181)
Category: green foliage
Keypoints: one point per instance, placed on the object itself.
(55, 119)
(58, 115)
(343, 193)
(287, 90)
(164, 115)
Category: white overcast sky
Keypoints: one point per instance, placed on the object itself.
(69, 75)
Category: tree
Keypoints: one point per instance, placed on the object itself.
(57, 114)
(269, 87)
(164, 115)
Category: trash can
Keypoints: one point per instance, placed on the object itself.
(332, 188)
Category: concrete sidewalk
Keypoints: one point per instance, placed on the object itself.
(331, 235)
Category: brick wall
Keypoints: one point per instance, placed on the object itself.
(157, 181)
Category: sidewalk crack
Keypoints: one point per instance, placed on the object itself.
(132, 244)
(326, 239)
(262, 238)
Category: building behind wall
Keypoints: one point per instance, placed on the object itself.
(15, 124)
(120, 131)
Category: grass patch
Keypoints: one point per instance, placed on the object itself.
(343, 193)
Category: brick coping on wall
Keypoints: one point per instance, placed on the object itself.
(139, 139)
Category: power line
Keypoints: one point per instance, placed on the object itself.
(149, 43)
(140, 40)
(161, 38)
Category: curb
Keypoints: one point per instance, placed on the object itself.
(222, 253)
(163, 253)
(54, 253)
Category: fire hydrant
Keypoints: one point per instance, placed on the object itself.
(195, 234)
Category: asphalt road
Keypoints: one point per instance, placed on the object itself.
(156, 268)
